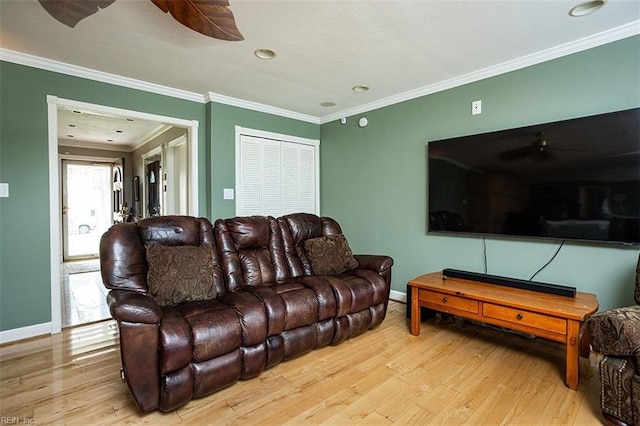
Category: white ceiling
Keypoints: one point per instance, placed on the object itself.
(79, 127)
(324, 47)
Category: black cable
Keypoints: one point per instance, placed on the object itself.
(484, 242)
(550, 260)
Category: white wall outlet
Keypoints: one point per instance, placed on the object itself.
(476, 107)
(228, 194)
(4, 190)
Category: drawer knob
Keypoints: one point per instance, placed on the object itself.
(445, 300)
(519, 316)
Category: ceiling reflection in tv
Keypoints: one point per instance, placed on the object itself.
(573, 179)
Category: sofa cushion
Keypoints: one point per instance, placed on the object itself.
(330, 255)
(180, 274)
(248, 253)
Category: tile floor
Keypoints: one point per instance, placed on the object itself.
(83, 294)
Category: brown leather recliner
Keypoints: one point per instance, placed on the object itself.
(269, 305)
(616, 335)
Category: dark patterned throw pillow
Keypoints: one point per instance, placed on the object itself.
(179, 274)
(330, 255)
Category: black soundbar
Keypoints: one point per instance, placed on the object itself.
(560, 290)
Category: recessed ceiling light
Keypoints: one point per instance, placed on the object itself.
(586, 8)
(328, 104)
(264, 53)
(360, 88)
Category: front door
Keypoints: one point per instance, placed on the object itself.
(86, 207)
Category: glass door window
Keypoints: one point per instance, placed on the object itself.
(87, 207)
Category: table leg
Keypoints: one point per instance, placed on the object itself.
(415, 312)
(573, 337)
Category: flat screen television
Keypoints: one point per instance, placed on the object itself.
(575, 179)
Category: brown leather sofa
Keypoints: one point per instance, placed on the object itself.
(262, 302)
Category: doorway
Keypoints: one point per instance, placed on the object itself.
(87, 207)
(89, 191)
(55, 188)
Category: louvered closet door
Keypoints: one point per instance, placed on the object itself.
(275, 177)
(271, 178)
(298, 178)
(250, 169)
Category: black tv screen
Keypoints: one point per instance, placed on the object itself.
(573, 179)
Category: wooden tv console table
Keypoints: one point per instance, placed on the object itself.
(545, 315)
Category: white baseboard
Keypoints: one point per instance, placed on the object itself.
(22, 333)
(398, 296)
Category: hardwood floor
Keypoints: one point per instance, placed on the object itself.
(450, 374)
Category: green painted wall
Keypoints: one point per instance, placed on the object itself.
(25, 288)
(374, 178)
(223, 121)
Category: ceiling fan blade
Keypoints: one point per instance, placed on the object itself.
(515, 154)
(556, 149)
(212, 18)
(70, 12)
(542, 155)
(624, 154)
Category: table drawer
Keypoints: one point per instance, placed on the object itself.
(522, 317)
(448, 301)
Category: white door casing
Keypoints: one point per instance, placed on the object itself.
(55, 228)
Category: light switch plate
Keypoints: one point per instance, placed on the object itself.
(228, 194)
(4, 190)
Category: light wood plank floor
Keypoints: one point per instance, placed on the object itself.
(450, 374)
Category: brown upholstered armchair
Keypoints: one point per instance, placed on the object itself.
(616, 335)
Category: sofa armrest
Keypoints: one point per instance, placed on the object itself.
(138, 319)
(616, 332)
(378, 263)
(130, 306)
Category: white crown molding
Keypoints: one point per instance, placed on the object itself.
(255, 106)
(76, 71)
(151, 136)
(90, 74)
(595, 40)
(94, 145)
